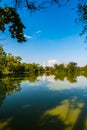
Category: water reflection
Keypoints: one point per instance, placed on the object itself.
(68, 113)
(7, 87)
(45, 104)
(64, 85)
(11, 85)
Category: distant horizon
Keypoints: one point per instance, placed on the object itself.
(51, 65)
(49, 62)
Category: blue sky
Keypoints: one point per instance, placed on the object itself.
(52, 35)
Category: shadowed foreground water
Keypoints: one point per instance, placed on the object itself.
(43, 104)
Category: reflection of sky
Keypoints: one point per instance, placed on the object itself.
(47, 78)
(52, 84)
(61, 85)
(33, 84)
(40, 81)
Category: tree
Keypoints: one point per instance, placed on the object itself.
(71, 67)
(11, 15)
(2, 59)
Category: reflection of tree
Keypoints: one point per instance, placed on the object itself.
(2, 92)
(11, 85)
(31, 78)
(60, 76)
(7, 87)
(66, 112)
(51, 110)
(50, 122)
(72, 78)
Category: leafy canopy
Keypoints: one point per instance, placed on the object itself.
(8, 15)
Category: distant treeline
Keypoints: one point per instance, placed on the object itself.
(12, 65)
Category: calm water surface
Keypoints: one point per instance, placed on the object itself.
(43, 104)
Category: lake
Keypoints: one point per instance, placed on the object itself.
(43, 103)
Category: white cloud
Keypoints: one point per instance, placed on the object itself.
(27, 36)
(39, 31)
(52, 62)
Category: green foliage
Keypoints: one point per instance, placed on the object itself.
(12, 65)
(8, 15)
(33, 68)
(71, 67)
(2, 59)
